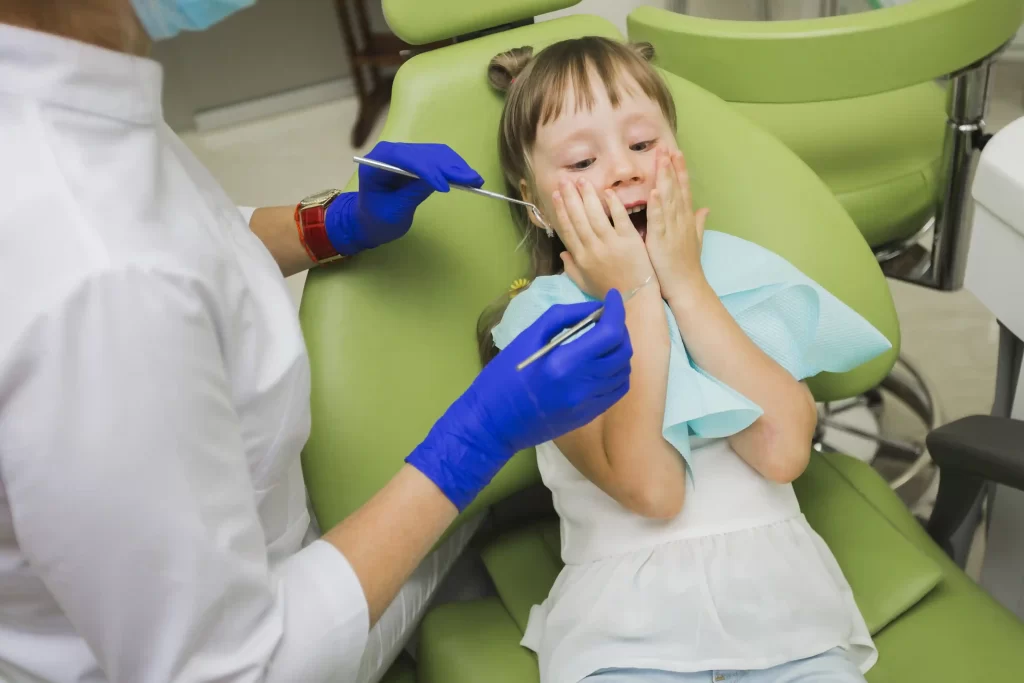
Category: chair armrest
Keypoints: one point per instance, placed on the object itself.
(971, 452)
(830, 58)
(981, 445)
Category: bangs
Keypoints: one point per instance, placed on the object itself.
(584, 64)
(584, 74)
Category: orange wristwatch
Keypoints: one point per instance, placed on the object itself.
(310, 221)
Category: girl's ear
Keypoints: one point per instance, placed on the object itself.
(524, 192)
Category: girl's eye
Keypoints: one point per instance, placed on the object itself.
(581, 165)
(643, 146)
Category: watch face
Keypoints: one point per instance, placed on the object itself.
(319, 197)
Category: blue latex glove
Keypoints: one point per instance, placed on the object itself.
(382, 210)
(506, 410)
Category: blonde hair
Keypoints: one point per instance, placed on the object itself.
(535, 89)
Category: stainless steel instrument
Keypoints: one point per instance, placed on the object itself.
(465, 188)
(569, 332)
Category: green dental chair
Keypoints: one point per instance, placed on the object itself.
(855, 97)
(408, 312)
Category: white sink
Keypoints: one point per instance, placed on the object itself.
(995, 261)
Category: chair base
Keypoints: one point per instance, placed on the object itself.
(907, 385)
(909, 259)
(861, 414)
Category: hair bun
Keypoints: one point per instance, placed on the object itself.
(504, 68)
(644, 50)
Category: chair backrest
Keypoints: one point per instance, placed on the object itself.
(391, 333)
(831, 58)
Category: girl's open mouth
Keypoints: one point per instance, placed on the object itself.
(638, 214)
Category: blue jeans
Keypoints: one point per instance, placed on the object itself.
(829, 667)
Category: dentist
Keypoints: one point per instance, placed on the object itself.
(154, 385)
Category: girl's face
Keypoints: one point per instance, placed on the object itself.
(610, 147)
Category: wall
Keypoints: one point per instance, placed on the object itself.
(273, 47)
(617, 10)
(614, 11)
(753, 9)
(278, 46)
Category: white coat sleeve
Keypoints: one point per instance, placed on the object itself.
(247, 212)
(122, 460)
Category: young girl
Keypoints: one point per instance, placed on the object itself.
(686, 555)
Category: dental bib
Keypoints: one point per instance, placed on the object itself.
(799, 324)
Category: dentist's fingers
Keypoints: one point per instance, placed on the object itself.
(610, 331)
(421, 159)
(462, 175)
(620, 217)
(596, 216)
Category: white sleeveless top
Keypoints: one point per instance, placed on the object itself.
(738, 580)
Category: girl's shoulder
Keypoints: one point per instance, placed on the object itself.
(529, 304)
(556, 289)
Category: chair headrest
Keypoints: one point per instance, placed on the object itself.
(418, 22)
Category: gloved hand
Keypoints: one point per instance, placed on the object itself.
(382, 210)
(506, 410)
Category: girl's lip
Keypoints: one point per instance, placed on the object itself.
(635, 204)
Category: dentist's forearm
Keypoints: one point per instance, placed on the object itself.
(275, 226)
(387, 538)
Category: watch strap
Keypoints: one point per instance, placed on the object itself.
(311, 222)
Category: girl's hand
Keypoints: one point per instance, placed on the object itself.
(603, 254)
(674, 232)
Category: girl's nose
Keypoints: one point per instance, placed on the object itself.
(626, 171)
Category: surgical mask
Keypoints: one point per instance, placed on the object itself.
(167, 18)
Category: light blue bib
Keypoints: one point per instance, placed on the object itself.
(794, 320)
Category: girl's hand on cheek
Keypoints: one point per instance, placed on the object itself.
(674, 232)
(602, 254)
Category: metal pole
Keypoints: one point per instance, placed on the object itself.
(966, 104)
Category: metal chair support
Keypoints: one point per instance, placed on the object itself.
(938, 265)
(966, 105)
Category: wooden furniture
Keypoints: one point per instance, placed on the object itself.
(370, 54)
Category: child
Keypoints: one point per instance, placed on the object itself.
(687, 557)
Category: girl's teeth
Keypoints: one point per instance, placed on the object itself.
(636, 209)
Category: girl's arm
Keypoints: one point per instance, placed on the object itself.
(778, 444)
(623, 451)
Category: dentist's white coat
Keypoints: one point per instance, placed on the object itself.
(154, 394)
